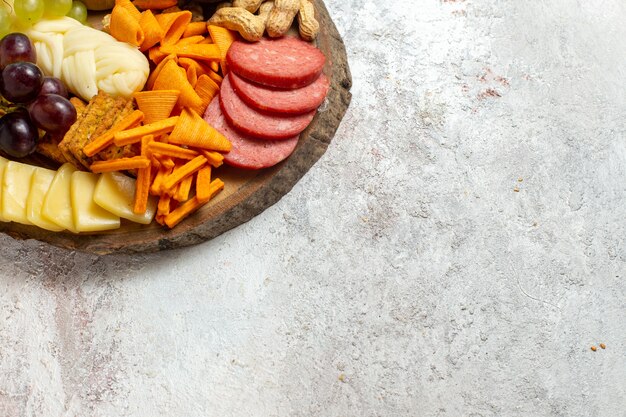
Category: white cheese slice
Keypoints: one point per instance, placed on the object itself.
(115, 192)
(39, 186)
(3, 164)
(88, 216)
(15, 189)
(57, 204)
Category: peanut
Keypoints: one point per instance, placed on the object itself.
(281, 17)
(309, 27)
(265, 9)
(250, 5)
(249, 26)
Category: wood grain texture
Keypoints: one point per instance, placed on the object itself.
(247, 193)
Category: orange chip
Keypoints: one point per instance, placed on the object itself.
(153, 32)
(215, 159)
(207, 89)
(155, 4)
(155, 188)
(191, 205)
(154, 74)
(130, 7)
(195, 28)
(173, 77)
(120, 164)
(168, 162)
(223, 38)
(192, 130)
(186, 63)
(143, 180)
(196, 51)
(181, 212)
(154, 160)
(184, 187)
(190, 40)
(156, 104)
(124, 27)
(192, 76)
(156, 55)
(215, 77)
(203, 183)
(173, 151)
(134, 135)
(174, 25)
(182, 171)
(163, 207)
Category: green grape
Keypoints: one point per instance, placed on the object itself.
(5, 22)
(28, 11)
(78, 11)
(56, 8)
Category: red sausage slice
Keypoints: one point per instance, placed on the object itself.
(298, 101)
(247, 152)
(286, 62)
(257, 124)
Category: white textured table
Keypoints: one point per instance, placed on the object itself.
(456, 252)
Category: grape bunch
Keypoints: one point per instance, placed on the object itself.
(28, 12)
(31, 100)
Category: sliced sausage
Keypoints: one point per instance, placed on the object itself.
(286, 62)
(248, 152)
(254, 123)
(296, 101)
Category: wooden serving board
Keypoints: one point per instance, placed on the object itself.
(247, 193)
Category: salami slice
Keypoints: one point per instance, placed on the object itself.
(260, 125)
(247, 152)
(286, 62)
(296, 101)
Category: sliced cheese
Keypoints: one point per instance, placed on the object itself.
(57, 204)
(115, 192)
(88, 216)
(15, 188)
(39, 186)
(3, 164)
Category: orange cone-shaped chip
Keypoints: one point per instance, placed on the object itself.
(125, 28)
(192, 130)
(173, 77)
(174, 25)
(152, 30)
(156, 104)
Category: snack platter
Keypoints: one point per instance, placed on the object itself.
(246, 192)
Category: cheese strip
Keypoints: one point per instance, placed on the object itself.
(15, 188)
(88, 216)
(57, 204)
(39, 186)
(115, 192)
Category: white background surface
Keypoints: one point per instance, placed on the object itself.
(456, 251)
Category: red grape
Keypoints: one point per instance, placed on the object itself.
(21, 82)
(18, 134)
(52, 113)
(16, 47)
(52, 85)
